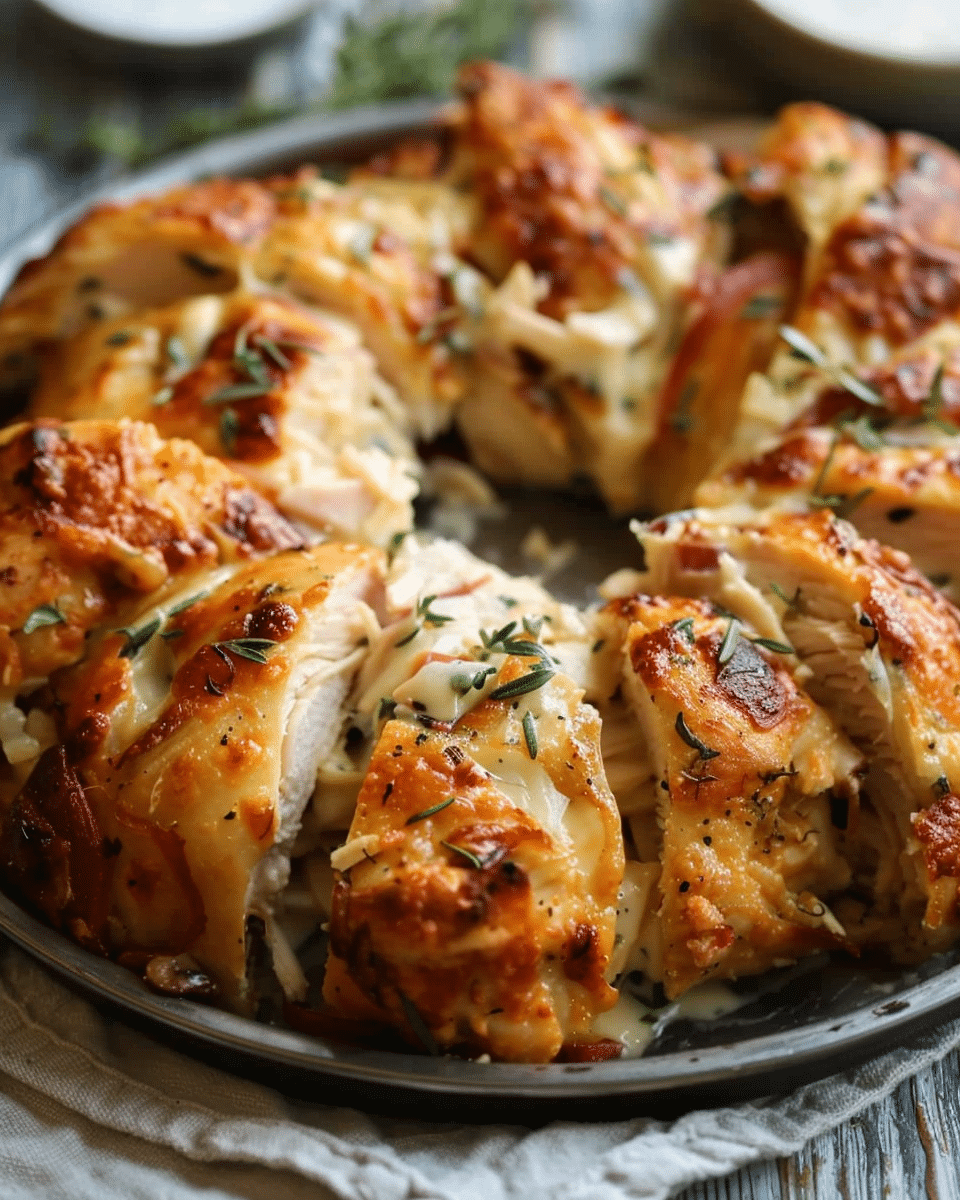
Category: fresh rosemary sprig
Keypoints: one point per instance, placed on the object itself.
(42, 615)
(810, 352)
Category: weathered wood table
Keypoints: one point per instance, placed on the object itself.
(907, 1146)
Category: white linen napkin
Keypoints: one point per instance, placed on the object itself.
(91, 1110)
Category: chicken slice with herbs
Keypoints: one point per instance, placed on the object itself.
(729, 777)
(595, 232)
(288, 395)
(476, 901)
(94, 515)
(187, 746)
(882, 650)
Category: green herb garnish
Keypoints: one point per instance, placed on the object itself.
(685, 627)
(238, 391)
(229, 429)
(530, 733)
(691, 739)
(43, 615)
(464, 853)
(428, 812)
(770, 644)
(137, 638)
(185, 604)
(729, 644)
(530, 682)
(810, 352)
(254, 649)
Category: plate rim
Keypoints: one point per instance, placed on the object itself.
(813, 1051)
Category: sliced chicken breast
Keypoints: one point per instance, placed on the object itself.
(732, 782)
(187, 747)
(882, 648)
(288, 395)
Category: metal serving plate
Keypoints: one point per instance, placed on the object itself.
(810, 1022)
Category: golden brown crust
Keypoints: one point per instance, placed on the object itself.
(94, 514)
(558, 184)
(501, 945)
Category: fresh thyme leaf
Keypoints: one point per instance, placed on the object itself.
(169, 634)
(428, 812)
(692, 740)
(432, 619)
(163, 396)
(533, 625)
(729, 644)
(770, 644)
(465, 853)
(229, 429)
(525, 683)
(185, 604)
(824, 467)
(405, 641)
(758, 307)
(864, 434)
(43, 615)
(481, 677)
(177, 353)
(254, 649)
(238, 391)
(802, 346)
(810, 352)
(524, 648)
(685, 626)
(789, 601)
(530, 733)
(842, 505)
(137, 638)
(272, 350)
(933, 405)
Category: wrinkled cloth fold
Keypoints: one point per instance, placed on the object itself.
(92, 1109)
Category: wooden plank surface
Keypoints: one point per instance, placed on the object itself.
(907, 1146)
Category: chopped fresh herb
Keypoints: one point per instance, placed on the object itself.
(684, 626)
(229, 430)
(43, 615)
(810, 352)
(691, 739)
(386, 709)
(530, 733)
(933, 405)
(163, 396)
(253, 649)
(770, 644)
(729, 644)
(758, 307)
(481, 677)
(405, 641)
(201, 266)
(185, 604)
(122, 337)
(507, 601)
(530, 682)
(361, 245)
(177, 353)
(169, 634)
(864, 433)
(137, 638)
(428, 812)
(842, 505)
(533, 625)
(396, 542)
(464, 853)
(789, 601)
(432, 619)
(238, 391)
(273, 351)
